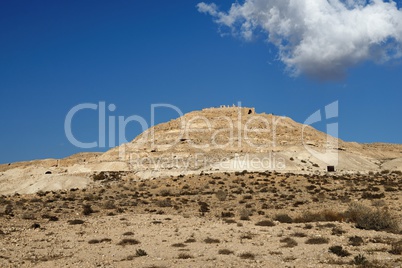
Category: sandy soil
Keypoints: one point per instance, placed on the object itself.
(191, 221)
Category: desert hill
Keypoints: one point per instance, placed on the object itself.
(221, 187)
(224, 139)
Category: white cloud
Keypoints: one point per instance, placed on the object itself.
(211, 9)
(319, 38)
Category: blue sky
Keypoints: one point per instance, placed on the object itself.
(57, 54)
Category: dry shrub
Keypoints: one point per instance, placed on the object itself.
(247, 255)
(140, 252)
(317, 240)
(128, 241)
(360, 260)
(109, 204)
(185, 256)
(165, 192)
(339, 251)
(179, 245)
(211, 240)
(265, 223)
(396, 248)
(28, 216)
(225, 252)
(356, 241)
(245, 214)
(325, 215)
(379, 219)
(76, 222)
(221, 195)
(98, 241)
(164, 203)
(87, 209)
(299, 234)
(283, 218)
(289, 242)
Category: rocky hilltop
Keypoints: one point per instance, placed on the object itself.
(238, 138)
(224, 139)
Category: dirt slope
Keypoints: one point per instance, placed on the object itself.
(215, 139)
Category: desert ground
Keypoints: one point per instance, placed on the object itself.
(241, 219)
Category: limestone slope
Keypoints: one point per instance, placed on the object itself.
(214, 139)
(235, 139)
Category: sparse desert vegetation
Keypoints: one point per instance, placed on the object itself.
(260, 217)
